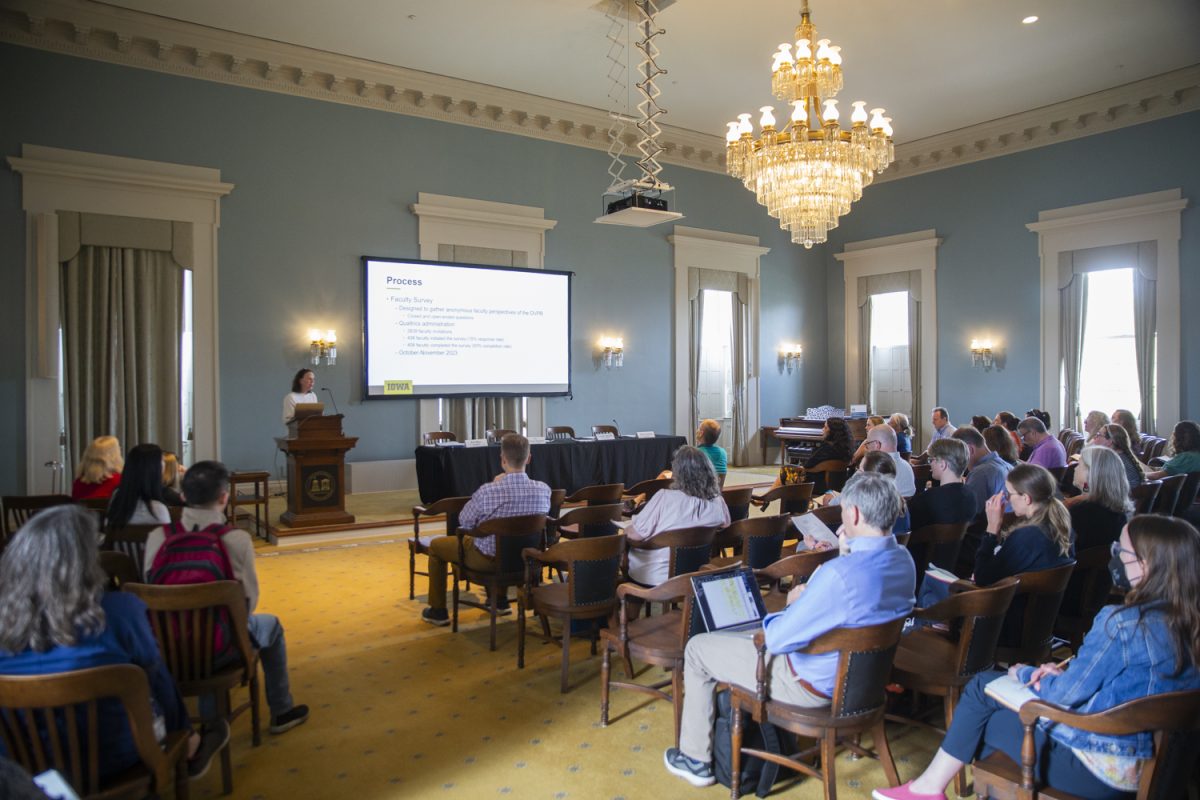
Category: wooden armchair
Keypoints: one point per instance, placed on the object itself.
(1166, 715)
(796, 569)
(793, 498)
(433, 437)
(559, 433)
(648, 488)
(922, 475)
(935, 543)
(593, 569)
(658, 640)
(184, 620)
(1087, 591)
(606, 429)
(1187, 494)
(864, 663)
(27, 703)
(513, 536)
(585, 522)
(418, 544)
(600, 494)
(131, 541)
(757, 542)
(830, 515)
(19, 508)
(690, 548)
(1031, 616)
(1144, 496)
(1168, 494)
(494, 435)
(737, 500)
(829, 475)
(933, 663)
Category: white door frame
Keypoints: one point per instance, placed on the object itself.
(55, 180)
(1152, 217)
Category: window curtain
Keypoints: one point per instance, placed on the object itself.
(122, 312)
(864, 345)
(1145, 326)
(743, 365)
(917, 416)
(1072, 294)
(908, 281)
(471, 417)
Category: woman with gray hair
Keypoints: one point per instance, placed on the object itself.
(1103, 508)
(56, 617)
(693, 500)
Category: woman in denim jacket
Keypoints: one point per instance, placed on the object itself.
(1149, 645)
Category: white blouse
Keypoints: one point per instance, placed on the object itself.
(667, 510)
(291, 399)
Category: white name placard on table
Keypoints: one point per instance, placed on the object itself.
(476, 442)
(645, 434)
(605, 436)
(537, 439)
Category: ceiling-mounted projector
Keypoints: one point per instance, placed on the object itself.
(637, 209)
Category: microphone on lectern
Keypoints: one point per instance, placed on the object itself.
(335, 408)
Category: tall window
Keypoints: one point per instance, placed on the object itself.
(715, 374)
(1108, 370)
(891, 383)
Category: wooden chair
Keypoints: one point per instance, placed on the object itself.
(593, 570)
(922, 475)
(793, 498)
(131, 541)
(1144, 496)
(648, 488)
(606, 429)
(737, 500)
(1168, 494)
(829, 475)
(28, 703)
(559, 433)
(1144, 447)
(1065, 435)
(659, 640)
(494, 435)
(1156, 451)
(1187, 493)
(586, 522)
(120, 569)
(690, 548)
(183, 619)
(933, 663)
(433, 437)
(1166, 715)
(864, 663)
(830, 515)
(795, 569)
(1090, 583)
(1074, 444)
(600, 494)
(513, 536)
(418, 544)
(19, 508)
(757, 542)
(98, 506)
(259, 483)
(1057, 473)
(1033, 612)
(939, 543)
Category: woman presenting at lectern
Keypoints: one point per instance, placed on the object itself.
(301, 392)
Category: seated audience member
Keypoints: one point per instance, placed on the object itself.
(56, 617)
(1037, 413)
(1000, 442)
(1125, 418)
(1009, 421)
(99, 472)
(1150, 644)
(942, 428)
(870, 585)
(1185, 444)
(706, 442)
(172, 475)
(1116, 439)
(1044, 450)
(206, 489)
(986, 470)
(139, 499)
(1093, 424)
(512, 493)
(900, 424)
(834, 446)
(883, 440)
(878, 463)
(980, 422)
(872, 421)
(693, 500)
(951, 501)
(1103, 507)
(1040, 538)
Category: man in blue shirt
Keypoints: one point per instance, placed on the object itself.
(873, 583)
(987, 471)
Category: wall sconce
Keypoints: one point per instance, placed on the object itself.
(981, 353)
(790, 353)
(322, 346)
(613, 351)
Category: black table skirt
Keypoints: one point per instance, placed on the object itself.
(571, 465)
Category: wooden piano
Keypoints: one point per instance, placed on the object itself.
(799, 436)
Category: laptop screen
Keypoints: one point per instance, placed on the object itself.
(729, 599)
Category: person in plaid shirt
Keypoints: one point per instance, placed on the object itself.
(511, 494)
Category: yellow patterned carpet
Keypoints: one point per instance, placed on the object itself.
(400, 709)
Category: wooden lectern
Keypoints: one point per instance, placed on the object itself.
(316, 472)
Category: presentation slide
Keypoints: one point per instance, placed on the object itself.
(444, 330)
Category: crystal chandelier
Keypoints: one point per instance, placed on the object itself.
(808, 173)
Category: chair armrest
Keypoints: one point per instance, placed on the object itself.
(962, 585)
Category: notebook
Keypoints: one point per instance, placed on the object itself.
(729, 601)
(1009, 692)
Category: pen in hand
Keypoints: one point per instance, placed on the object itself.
(1058, 666)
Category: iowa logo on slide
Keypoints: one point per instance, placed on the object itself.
(318, 486)
(397, 387)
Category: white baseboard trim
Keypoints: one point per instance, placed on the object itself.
(381, 476)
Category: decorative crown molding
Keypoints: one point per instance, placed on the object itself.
(90, 29)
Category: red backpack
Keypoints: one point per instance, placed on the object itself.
(196, 556)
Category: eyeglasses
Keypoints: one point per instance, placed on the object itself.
(1116, 550)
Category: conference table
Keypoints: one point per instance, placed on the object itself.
(571, 464)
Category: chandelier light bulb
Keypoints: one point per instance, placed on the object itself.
(733, 133)
(744, 126)
(783, 56)
(803, 51)
(887, 126)
(767, 120)
(799, 115)
(835, 56)
(877, 122)
(830, 115)
(823, 50)
(859, 116)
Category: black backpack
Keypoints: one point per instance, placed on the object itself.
(756, 774)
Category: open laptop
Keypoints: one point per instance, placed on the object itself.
(304, 410)
(729, 601)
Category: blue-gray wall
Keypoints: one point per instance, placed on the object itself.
(321, 184)
(988, 268)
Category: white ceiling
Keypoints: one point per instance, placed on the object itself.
(936, 65)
